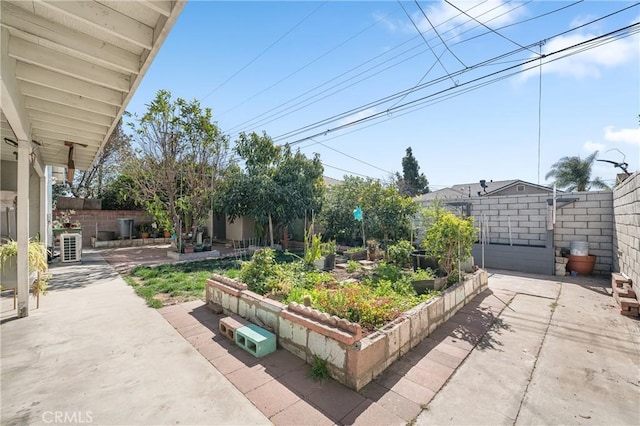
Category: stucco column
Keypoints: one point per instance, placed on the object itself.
(22, 225)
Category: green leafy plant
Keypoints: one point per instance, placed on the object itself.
(313, 247)
(423, 274)
(352, 266)
(449, 238)
(37, 261)
(319, 370)
(355, 249)
(400, 253)
(329, 247)
(259, 270)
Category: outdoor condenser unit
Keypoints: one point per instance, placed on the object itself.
(70, 247)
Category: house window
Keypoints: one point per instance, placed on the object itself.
(520, 188)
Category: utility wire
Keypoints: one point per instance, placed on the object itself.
(490, 29)
(362, 64)
(437, 33)
(420, 87)
(426, 42)
(478, 79)
(348, 171)
(281, 114)
(264, 51)
(539, 109)
(351, 156)
(308, 64)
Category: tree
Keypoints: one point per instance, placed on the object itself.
(412, 182)
(178, 160)
(276, 186)
(574, 174)
(387, 213)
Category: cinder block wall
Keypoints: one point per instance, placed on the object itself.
(626, 229)
(525, 214)
(589, 219)
(105, 220)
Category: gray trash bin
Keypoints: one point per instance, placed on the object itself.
(125, 228)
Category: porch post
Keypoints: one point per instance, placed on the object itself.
(44, 216)
(22, 225)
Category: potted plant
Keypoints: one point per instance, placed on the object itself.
(424, 280)
(37, 260)
(64, 217)
(328, 250)
(144, 230)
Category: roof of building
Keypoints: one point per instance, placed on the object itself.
(467, 190)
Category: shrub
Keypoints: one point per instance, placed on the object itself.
(400, 253)
(352, 266)
(423, 274)
(449, 238)
(259, 270)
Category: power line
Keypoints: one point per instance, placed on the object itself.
(420, 87)
(272, 116)
(352, 157)
(539, 109)
(302, 68)
(426, 42)
(475, 80)
(348, 171)
(264, 51)
(437, 33)
(489, 28)
(354, 68)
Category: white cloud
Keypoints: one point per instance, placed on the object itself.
(357, 116)
(630, 136)
(494, 13)
(391, 24)
(593, 146)
(580, 20)
(590, 62)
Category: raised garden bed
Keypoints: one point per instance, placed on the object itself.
(353, 357)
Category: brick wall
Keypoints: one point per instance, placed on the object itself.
(589, 219)
(626, 229)
(106, 220)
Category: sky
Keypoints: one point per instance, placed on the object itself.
(462, 82)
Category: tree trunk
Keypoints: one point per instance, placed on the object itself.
(270, 230)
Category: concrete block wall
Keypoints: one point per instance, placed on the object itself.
(626, 229)
(525, 214)
(352, 359)
(105, 220)
(589, 219)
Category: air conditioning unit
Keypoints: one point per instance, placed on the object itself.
(70, 247)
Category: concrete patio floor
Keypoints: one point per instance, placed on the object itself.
(529, 350)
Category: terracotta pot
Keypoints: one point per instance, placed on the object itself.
(582, 265)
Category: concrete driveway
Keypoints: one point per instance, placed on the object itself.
(559, 353)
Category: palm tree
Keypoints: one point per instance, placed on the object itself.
(574, 174)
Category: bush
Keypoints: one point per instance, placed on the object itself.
(449, 238)
(352, 266)
(259, 270)
(400, 253)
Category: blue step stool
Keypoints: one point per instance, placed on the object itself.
(255, 340)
